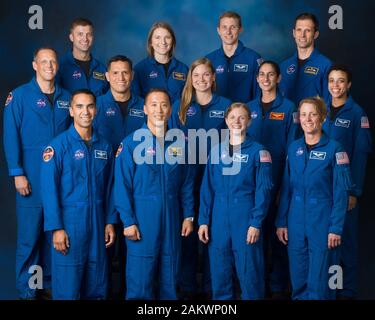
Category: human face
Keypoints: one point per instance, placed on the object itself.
(83, 110)
(45, 65)
(267, 78)
(119, 76)
(161, 41)
(202, 78)
(338, 84)
(229, 30)
(237, 121)
(158, 110)
(304, 33)
(310, 119)
(82, 38)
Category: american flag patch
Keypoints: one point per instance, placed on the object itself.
(265, 156)
(364, 123)
(342, 158)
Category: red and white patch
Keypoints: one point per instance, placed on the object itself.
(48, 154)
(364, 123)
(119, 149)
(342, 158)
(265, 156)
(9, 98)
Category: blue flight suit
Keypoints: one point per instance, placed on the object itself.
(30, 122)
(351, 128)
(149, 74)
(230, 203)
(72, 77)
(309, 80)
(236, 76)
(276, 129)
(76, 188)
(313, 203)
(208, 117)
(156, 197)
(109, 121)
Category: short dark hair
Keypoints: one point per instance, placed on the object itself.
(122, 58)
(231, 14)
(82, 91)
(343, 68)
(158, 90)
(308, 16)
(274, 65)
(44, 48)
(81, 22)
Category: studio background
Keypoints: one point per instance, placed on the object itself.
(121, 27)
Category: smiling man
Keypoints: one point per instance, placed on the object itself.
(77, 175)
(236, 66)
(34, 113)
(305, 73)
(78, 68)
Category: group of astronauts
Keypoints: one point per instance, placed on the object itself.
(268, 218)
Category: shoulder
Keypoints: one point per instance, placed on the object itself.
(214, 54)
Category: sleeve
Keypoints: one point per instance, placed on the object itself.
(362, 147)
(111, 214)
(136, 84)
(123, 185)
(285, 194)
(324, 82)
(255, 90)
(263, 189)
(293, 128)
(51, 170)
(207, 194)
(12, 137)
(342, 184)
(186, 192)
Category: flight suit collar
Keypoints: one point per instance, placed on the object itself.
(36, 87)
(238, 51)
(214, 100)
(73, 133)
(324, 139)
(93, 61)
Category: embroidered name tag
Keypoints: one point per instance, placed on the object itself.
(311, 70)
(216, 114)
(317, 155)
(241, 67)
(62, 104)
(175, 151)
(342, 123)
(277, 115)
(100, 154)
(238, 157)
(136, 113)
(179, 76)
(98, 75)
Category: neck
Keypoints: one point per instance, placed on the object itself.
(121, 96)
(157, 131)
(268, 96)
(237, 138)
(229, 49)
(304, 53)
(46, 86)
(81, 55)
(313, 138)
(203, 98)
(337, 102)
(161, 58)
(84, 133)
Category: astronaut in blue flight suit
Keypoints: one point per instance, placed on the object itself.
(348, 124)
(275, 125)
(233, 206)
(34, 113)
(78, 68)
(305, 73)
(153, 194)
(199, 108)
(119, 111)
(76, 187)
(236, 65)
(313, 204)
(160, 69)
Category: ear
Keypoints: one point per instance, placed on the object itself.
(34, 65)
(71, 111)
(70, 37)
(316, 35)
(218, 30)
(145, 110)
(279, 78)
(349, 85)
(294, 33)
(107, 76)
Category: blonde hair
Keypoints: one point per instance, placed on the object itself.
(236, 105)
(189, 91)
(319, 104)
(166, 26)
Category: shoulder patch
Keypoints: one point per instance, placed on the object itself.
(365, 123)
(342, 158)
(260, 61)
(265, 156)
(119, 149)
(9, 98)
(48, 154)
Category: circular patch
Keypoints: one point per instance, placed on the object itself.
(191, 111)
(48, 154)
(9, 98)
(291, 69)
(119, 149)
(79, 154)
